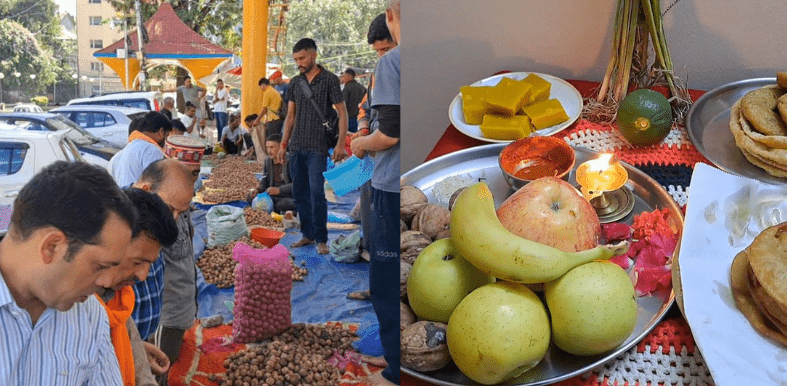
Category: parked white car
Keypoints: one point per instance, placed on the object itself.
(145, 100)
(23, 153)
(28, 108)
(109, 123)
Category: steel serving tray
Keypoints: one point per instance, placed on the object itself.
(708, 126)
(481, 163)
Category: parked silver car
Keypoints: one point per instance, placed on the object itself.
(109, 123)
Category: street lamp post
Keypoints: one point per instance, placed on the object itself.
(17, 75)
(84, 78)
(75, 77)
(1, 87)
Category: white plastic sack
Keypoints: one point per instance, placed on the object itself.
(225, 224)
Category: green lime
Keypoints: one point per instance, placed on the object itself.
(644, 117)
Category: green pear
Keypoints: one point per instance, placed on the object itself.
(593, 308)
(440, 279)
(498, 332)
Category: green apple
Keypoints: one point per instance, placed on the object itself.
(498, 332)
(440, 279)
(593, 308)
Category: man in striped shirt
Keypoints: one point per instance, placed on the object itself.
(68, 234)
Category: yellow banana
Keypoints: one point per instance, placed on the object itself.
(482, 240)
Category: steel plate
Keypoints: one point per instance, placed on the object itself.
(481, 163)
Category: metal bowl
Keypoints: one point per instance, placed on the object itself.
(531, 158)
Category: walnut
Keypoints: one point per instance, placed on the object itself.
(411, 199)
(424, 346)
(431, 219)
(411, 243)
(406, 316)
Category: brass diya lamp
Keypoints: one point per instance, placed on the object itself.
(602, 183)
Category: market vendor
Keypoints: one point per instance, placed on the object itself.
(62, 246)
(232, 137)
(153, 229)
(145, 145)
(276, 179)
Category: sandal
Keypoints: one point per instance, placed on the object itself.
(360, 295)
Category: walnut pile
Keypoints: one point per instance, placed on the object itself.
(261, 218)
(218, 266)
(234, 176)
(296, 357)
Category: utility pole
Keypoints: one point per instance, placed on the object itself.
(143, 75)
(125, 41)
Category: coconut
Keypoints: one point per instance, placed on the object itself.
(431, 219)
(404, 273)
(411, 199)
(412, 243)
(406, 316)
(424, 347)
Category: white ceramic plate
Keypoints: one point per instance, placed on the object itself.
(735, 353)
(561, 90)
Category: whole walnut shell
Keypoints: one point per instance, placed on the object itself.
(431, 219)
(404, 273)
(402, 226)
(406, 316)
(411, 244)
(424, 347)
(443, 234)
(411, 199)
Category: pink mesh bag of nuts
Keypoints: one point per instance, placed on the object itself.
(263, 281)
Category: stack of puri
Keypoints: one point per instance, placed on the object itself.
(758, 122)
(757, 279)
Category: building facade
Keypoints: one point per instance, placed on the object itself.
(94, 32)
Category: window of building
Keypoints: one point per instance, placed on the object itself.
(94, 1)
(97, 44)
(95, 20)
(96, 66)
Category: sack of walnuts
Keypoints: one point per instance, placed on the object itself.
(225, 224)
(263, 281)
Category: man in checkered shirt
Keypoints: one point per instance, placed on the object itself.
(304, 133)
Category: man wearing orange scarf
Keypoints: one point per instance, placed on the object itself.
(155, 228)
(145, 146)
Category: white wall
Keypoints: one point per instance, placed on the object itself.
(448, 44)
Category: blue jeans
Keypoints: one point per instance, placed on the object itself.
(352, 125)
(306, 168)
(222, 120)
(383, 269)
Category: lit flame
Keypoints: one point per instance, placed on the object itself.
(600, 164)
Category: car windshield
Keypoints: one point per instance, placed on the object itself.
(78, 135)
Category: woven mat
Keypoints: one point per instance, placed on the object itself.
(195, 365)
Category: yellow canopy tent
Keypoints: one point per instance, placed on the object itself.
(170, 42)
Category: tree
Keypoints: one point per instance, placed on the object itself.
(38, 16)
(21, 52)
(338, 27)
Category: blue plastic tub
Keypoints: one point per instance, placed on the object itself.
(350, 174)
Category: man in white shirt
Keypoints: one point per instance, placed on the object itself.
(146, 144)
(233, 136)
(220, 105)
(63, 245)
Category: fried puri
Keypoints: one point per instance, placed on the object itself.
(760, 108)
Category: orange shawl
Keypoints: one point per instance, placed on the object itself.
(135, 135)
(119, 309)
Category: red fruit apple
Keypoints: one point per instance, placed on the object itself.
(552, 212)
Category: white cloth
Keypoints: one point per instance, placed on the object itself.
(63, 348)
(221, 105)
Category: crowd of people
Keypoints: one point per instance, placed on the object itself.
(97, 270)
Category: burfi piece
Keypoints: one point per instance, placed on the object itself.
(545, 114)
(474, 104)
(506, 128)
(508, 96)
(540, 88)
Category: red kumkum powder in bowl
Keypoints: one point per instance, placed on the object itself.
(531, 158)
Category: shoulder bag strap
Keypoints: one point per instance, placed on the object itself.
(309, 94)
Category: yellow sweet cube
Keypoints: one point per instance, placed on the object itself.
(508, 96)
(506, 128)
(473, 103)
(545, 114)
(540, 88)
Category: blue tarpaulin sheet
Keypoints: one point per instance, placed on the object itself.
(320, 298)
